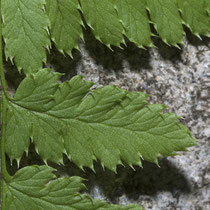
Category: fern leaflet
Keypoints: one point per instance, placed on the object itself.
(37, 188)
(110, 21)
(109, 123)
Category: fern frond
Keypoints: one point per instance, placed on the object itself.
(25, 26)
(166, 19)
(37, 188)
(65, 24)
(109, 124)
(102, 17)
(195, 16)
(133, 16)
(26, 22)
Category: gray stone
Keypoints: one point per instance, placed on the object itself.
(181, 80)
(177, 78)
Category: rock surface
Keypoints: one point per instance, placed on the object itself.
(178, 78)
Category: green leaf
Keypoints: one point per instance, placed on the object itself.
(109, 123)
(65, 24)
(134, 17)
(25, 33)
(25, 24)
(207, 6)
(166, 19)
(102, 17)
(37, 188)
(195, 15)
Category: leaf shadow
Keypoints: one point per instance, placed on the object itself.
(63, 63)
(148, 180)
(137, 58)
(168, 52)
(194, 40)
(113, 58)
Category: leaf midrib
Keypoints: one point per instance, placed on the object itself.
(13, 103)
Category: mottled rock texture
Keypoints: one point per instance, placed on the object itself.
(178, 78)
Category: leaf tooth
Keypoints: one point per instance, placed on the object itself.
(81, 23)
(139, 163)
(48, 47)
(109, 46)
(36, 149)
(114, 169)
(44, 59)
(148, 9)
(199, 37)
(77, 47)
(65, 152)
(18, 162)
(140, 46)
(99, 39)
(31, 137)
(19, 68)
(151, 22)
(123, 42)
(152, 45)
(2, 17)
(79, 7)
(69, 156)
(92, 168)
(53, 39)
(120, 163)
(165, 41)
(81, 167)
(89, 24)
(156, 163)
(11, 160)
(184, 23)
(103, 166)
(177, 46)
(46, 28)
(180, 10)
(154, 35)
(140, 156)
(61, 51)
(94, 157)
(12, 61)
(118, 45)
(181, 42)
(60, 162)
(132, 167)
(82, 37)
(26, 151)
(5, 41)
(69, 53)
(155, 26)
(45, 162)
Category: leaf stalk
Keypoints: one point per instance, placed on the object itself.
(4, 174)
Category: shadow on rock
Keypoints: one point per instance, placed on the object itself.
(148, 180)
(63, 63)
(143, 181)
(196, 41)
(168, 52)
(113, 59)
(12, 75)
